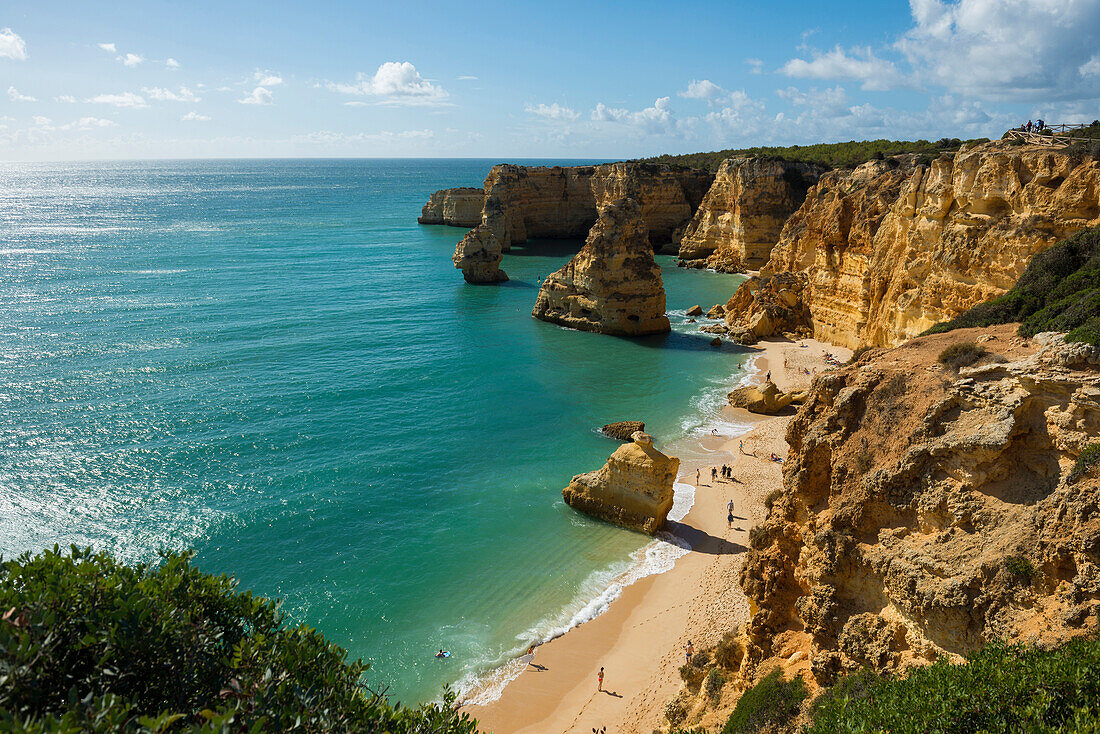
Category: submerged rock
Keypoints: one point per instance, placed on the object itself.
(633, 489)
(695, 311)
(613, 285)
(622, 430)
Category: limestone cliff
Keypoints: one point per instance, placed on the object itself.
(634, 489)
(455, 207)
(479, 253)
(927, 512)
(894, 246)
(613, 285)
(742, 215)
(768, 305)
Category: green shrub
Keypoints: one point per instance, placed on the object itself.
(714, 683)
(1002, 689)
(1021, 568)
(90, 644)
(772, 497)
(831, 155)
(774, 701)
(1058, 291)
(1088, 458)
(675, 712)
(961, 355)
(852, 687)
(692, 676)
(700, 659)
(758, 538)
(729, 651)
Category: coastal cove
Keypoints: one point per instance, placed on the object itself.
(272, 363)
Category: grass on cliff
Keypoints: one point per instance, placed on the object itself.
(1058, 291)
(88, 644)
(1003, 688)
(833, 155)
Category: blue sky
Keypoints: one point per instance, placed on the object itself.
(83, 80)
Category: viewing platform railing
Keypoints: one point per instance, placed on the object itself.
(1050, 135)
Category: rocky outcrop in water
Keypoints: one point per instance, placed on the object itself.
(742, 215)
(613, 285)
(479, 253)
(622, 430)
(455, 207)
(634, 489)
(894, 246)
(927, 512)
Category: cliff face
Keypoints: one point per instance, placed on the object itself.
(892, 247)
(613, 285)
(742, 215)
(926, 513)
(455, 207)
(634, 489)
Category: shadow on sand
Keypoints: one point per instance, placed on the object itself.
(702, 541)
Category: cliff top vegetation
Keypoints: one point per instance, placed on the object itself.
(834, 155)
(1058, 291)
(89, 644)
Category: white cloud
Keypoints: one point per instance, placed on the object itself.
(172, 63)
(267, 79)
(65, 99)
(467, 78)
(194, 117)
(131, 59)
(330, 138)
(259, 96)
(702, 89)
(88, 123)
(355, 103)
(827, 101)
(652, 120)
(12, 46)
(395, 83)
(167, 95)
(553, 112)
(1020, 51)
(40, 121)
(16, 96)
(125, 99)
(108, 47)
(756, 66)
(859, 64)
(1090, 67)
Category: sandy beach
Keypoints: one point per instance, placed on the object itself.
(640, 640)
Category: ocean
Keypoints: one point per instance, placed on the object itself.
(272, 364)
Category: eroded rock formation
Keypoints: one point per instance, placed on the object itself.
(455, 207)
(926, 513)
(767, 305)
(766, 399)
(742, 215)
(894, 246)
(479, 253)
(634, 488)
(613, 285)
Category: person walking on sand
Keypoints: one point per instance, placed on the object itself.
(599, 680)
(713, 474)
(697, 477)
(729, 516)
(741, 447)
(689, 650)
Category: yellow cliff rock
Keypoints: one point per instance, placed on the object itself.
(634, 489)
(455, 207)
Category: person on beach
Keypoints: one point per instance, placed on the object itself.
(768, 377)
(697, 480)
(599, 680)
(729, 517)
(713, 474)
(689, 650)
(741, 447)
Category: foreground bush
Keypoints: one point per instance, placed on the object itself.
(1058, 291)
(773, 702)
(961, 355)
(89, 644)
(1001, 689)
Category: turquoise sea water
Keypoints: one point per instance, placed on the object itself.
(271, 363)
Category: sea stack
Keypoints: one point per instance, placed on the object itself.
(454, 207)
(613, 285)
(479, 253)
(633, 489)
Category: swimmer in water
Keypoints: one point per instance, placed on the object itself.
(441, 654)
